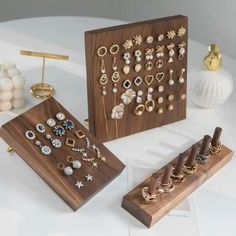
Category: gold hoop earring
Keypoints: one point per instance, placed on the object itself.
(149, 105)
(139, 110)
(114, 49)
(102, 51)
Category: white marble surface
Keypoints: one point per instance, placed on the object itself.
(29, 207)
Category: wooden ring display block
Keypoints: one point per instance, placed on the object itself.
(150, 212)
(13, 132)
(154, 74)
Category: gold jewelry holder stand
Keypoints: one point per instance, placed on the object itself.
(43, 90)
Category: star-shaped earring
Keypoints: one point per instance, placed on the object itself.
(88, 177)
(79, 184)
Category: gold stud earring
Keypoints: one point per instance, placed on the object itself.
(171, 34)
(137, 39)
(148, 65)
(128, 44)
(181, 31)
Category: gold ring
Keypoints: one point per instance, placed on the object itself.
(60, 166)
(102, 51)
(70, 159)
(139, 110)
(114, 49)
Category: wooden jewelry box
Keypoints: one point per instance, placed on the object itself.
(93, 165)
(136, 76)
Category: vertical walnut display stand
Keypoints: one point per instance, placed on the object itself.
(150, 212)
(13, 132)
(131, 123)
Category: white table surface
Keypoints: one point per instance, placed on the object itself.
(29, 207)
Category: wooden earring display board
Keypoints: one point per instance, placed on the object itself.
(13, 132)
(173, 106)
(150, 213)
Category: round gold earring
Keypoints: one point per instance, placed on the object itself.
(114, 49)
(102, 51)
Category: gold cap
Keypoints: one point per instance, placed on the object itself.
(213, 60)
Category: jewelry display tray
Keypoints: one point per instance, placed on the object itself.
(150, 212)
(13, 132)
(131, 123)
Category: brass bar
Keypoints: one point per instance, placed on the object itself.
(45, 55)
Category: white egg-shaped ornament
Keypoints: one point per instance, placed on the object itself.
(18, 103)
(6, 106)
(13, 72)
(8, 65)
(18, 81)
(211, 87)
(6, 84)
(18, 93)
(6, 95)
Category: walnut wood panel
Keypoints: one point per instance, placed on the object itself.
(131, 123)
(150, 213)
(13, 132)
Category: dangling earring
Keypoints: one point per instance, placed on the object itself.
(181, 78)
(126, 68)
(171, 81)
(181, 50)
(101, 52)
(139, 96)
(171, 52)
(159, 54)
(149, 53)
(149, 104)
(138, 54)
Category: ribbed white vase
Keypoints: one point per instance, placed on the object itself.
(210, 88)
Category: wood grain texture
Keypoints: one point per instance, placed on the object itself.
(13, 132)
(150, 213)
(131, 123)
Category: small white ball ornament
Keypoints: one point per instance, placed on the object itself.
(6, 84)
(18, 103)
(18, 81)
(13, 72)
(6, 106)
(6, 96)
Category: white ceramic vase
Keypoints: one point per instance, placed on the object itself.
(210, 88)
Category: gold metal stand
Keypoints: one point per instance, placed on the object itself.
(43, 90)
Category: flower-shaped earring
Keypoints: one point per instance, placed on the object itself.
(68, 124)
(59, 130)
(117, 111)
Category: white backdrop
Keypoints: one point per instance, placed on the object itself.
(210, 20)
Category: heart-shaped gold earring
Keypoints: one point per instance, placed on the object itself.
(149, 79)
(160, 76)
